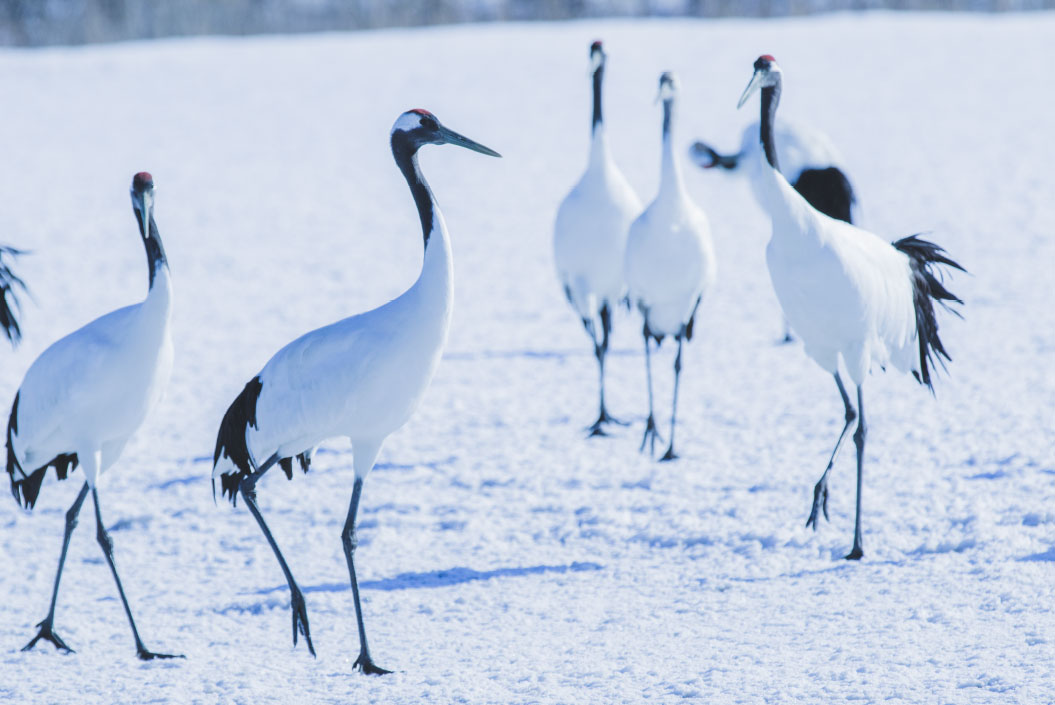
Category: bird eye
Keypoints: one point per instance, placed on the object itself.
(428, 123)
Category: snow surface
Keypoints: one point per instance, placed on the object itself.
(504, 557)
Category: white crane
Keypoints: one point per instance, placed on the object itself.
(10, 283)
(850, 295)
(85, 396)
(808, 159)
(669, 264)
(361, 377)
(589, 238)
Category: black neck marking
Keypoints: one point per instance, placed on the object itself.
(405, 151)
(770, 100)
(668, 110)
(598, 76)
(152, 244)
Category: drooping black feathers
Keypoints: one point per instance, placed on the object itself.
(26, 487)
(231, 442)
(9, 284)
(926, 289)
(828, 190)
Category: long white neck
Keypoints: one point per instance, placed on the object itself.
(671, 183)
(433, 292)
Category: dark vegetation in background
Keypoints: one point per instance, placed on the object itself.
(46, 22)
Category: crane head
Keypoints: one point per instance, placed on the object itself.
(597, 56)
(668, 86)
(143, 200)
(420, 127)
(767, 74)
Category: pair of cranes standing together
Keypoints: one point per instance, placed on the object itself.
(855, 299)
(847, 293)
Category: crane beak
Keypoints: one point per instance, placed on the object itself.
(754, 85)
(452, 137)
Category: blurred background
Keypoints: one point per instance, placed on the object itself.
(48, 22)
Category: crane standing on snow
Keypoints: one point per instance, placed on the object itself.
(589, 239)
(85, 396)
(669, 263)
(361, 377)
(849, 294)
(807, 158)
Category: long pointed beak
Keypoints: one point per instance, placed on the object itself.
(754, 85)
(452, 137)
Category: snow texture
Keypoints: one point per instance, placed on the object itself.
(504, 557)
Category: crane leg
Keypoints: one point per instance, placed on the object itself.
(600, 350)
(670, 454)
(108, 550)
(348, 537)
(820, 490)
(651, 432)
(47, 627)
(296, 599)
(859, 440)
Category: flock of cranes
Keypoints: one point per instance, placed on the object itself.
(854, 299)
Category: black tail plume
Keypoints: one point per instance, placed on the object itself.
(26, 488)
(926, 289)
(231, 440)
(9, 283)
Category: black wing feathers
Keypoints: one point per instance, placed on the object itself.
(26, 487)
(926, 289)
(230, 441)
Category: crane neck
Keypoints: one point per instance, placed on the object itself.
(770, 100)
(155, 251)
(405, 153)
(670, 171)
(598, 78)
(435, 283)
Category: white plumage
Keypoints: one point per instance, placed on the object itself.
(670, 260)
(589, 240)
(361, 377)
(855, 299)
(86, 394)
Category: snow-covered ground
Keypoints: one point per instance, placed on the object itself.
(504, 557)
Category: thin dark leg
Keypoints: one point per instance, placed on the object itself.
(859, 440)
(348, 537)
(108, 551)
(820, 490)
(600, 351)
(651, 432)
(47, 626)
(670, 454)
(296, 599)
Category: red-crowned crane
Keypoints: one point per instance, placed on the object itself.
(589, 237)
(849, 294)
(670, 263)
(808, 160)
(361, 377)
(85, 396)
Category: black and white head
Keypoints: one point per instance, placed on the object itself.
(597, 56)
(415, 128)
(668, 87)
(143, 201)
(767, 75)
